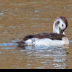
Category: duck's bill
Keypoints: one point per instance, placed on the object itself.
(61, 31)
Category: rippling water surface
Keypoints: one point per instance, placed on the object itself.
(19, 18)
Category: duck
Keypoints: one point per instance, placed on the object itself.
(57, 38)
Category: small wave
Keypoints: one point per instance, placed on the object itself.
(7, 44)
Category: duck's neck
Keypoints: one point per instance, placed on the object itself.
(56, 28)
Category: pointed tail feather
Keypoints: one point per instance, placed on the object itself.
(21, 43)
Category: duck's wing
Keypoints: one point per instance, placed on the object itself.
(45, 35)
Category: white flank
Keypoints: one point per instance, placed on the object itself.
(45, 42)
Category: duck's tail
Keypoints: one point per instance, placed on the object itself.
(21, 43)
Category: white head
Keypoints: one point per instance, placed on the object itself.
(60, 24)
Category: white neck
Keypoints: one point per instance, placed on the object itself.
(55, 28)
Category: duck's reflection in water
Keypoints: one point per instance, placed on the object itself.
(45, 57)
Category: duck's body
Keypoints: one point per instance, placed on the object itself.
(49, 39)
(45, 39)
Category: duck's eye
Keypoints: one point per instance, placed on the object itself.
(62, 25)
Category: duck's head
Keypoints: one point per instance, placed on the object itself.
(60, 24)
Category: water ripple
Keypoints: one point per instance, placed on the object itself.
(7, 44)
(1, 13)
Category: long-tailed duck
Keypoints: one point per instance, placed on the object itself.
(57, 38)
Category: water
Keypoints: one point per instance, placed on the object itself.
(19, 18)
